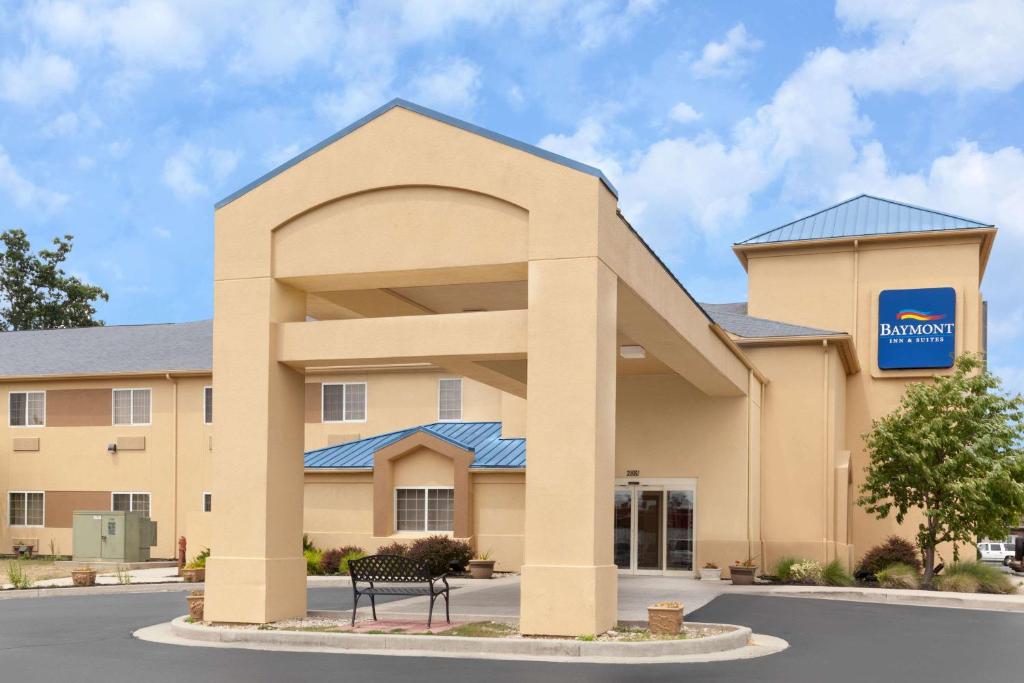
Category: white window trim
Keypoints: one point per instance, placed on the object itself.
(210, 387)
(25, 526)
(462, 386)
(131, 505)
(26, 392)
(205, 494)
(366, 402)
(133, 423)
(426, 510)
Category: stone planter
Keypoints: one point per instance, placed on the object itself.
(195, 606)
(83, 577)
(665, 620)
(481, 569)
(194, 575)
(742, 576)
(707, 574)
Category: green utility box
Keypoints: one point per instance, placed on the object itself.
(108, 536)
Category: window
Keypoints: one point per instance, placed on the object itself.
(131, 406)
(344, 402)
(424, 509)
(449, 399)
(26, 508)
(207, 501)
(208, 405)
(27, 408)
(130, 502)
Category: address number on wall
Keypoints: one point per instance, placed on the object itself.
(632, 473)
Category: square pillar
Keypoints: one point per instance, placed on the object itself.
(569, 579)
(256, 572)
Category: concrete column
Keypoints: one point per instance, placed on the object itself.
(256, 572)
(569, 581)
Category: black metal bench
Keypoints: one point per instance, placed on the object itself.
(395, 569)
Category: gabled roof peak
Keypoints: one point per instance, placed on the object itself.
(437, 116)
(861, 216)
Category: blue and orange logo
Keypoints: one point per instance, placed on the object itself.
(923, 316)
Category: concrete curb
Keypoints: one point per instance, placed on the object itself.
(738, 644)
(914, 598)
(70, 591)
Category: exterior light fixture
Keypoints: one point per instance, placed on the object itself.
(632, 352)
(112, 448)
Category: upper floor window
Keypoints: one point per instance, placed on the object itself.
(449, 399)
(130, 502)
(26, 508)
(27, 408)
(132, 406)
(344, 402)
(208, 405)
(207, 501)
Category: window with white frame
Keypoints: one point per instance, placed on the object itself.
(125, 501)
(26, 508)
(207, 501)
(344, 402)
(27, 408)
(449, 399)
(424, 509)
(208, 405)
(132, 406)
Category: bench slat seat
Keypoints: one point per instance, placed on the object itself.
(394, 569)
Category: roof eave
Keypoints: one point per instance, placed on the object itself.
(843, 343)
(132, 374)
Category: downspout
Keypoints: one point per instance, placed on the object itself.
(856, 288)
(174, 458)
(825, 441)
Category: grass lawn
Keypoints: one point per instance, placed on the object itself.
(37, 569)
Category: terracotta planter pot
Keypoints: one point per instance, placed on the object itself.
(664, 621)
(707, 574)
(742, 576)
(83, 578)
(481, 569)
(195, 607)
(194, 575)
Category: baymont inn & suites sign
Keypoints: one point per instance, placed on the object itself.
(916, 328)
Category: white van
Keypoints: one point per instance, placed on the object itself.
(992, 551)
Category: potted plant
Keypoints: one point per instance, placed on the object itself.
(481, 566)
(83, 576)
(665, 618)
(195, 571)
(742, 572)
(711, 572)
(195, 606)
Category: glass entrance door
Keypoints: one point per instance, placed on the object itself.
(654, 525)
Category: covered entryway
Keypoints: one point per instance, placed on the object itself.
(655, 526)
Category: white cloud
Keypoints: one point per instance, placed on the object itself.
(586, 146)
(683, 113)
(451, 85)
(37, 77)
(355, 99)
(728, 57)
(162, 233)
(279, 155)
(191, 169)
(277, 37)
(601, 21)
(25, 193)
(63, 125)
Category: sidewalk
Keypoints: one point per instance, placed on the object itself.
(137, 576)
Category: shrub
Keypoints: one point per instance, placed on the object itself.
(783, 569)
(17, 575)
(307, 544)
(806, 571)
(199, 561)
(987, 579)
(349, 556)
(899, 575)
(396, 548)
(895, 550)
(441, 552)
(313, 561)
(956, 583)
(330, 561)
(835, 574)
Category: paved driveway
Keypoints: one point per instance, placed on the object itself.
(87, 640)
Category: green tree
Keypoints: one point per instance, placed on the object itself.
(36, 293)
(951, 449)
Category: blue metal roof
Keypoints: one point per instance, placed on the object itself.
(863, 216)
(482, 438)
(437, 116)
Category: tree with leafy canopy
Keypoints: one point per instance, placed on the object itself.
(36, 293)
(951, 449)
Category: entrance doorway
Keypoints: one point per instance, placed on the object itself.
(654, 525)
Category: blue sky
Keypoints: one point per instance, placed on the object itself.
(122, 122)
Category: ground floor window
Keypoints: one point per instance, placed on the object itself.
(424, 509)
(130, 502)
(26, 508)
